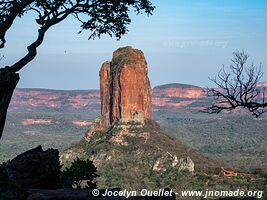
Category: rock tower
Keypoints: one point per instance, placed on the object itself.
(124, 89)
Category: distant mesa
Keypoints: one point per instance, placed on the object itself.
(178, 90)
(177, 85)
(262, 84)
(174, 96)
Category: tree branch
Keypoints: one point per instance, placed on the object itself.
(14, 11)
(238, 88)
(32, 49)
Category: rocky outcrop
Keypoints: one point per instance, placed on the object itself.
(187, 164)
(167, 160)
(124, 89)
(35, 168)
(105, 94)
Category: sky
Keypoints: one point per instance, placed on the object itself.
(185, 41)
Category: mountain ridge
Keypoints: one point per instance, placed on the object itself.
(173, 96)
(34, 98)
(177, 85)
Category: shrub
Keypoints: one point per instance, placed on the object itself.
(79, 172)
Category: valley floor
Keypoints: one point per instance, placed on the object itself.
(237, 140)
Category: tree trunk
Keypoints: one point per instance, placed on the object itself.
(8, 82)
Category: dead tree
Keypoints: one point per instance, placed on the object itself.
(238, 88)
(98, 16)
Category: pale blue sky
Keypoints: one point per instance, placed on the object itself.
(185, 41)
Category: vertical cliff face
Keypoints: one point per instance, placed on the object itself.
(125, 88)
(105, 94)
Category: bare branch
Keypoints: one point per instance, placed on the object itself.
(9, 10)
(32, 49)
(238, 88)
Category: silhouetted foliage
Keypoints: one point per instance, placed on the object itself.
(98, 16)
(238, 88)
(9, 188)
(4, 179)
(79, 171)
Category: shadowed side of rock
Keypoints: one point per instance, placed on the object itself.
(105, 90)
(35, 168)
(130, 86)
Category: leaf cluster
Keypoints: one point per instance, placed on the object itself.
(79, 171)
(98, 16)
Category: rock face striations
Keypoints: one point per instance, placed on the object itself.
(124, 89)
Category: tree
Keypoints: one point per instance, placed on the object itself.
(238, 88)
(79, 171)
(98, 16)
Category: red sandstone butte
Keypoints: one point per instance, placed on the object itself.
(125, 88)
